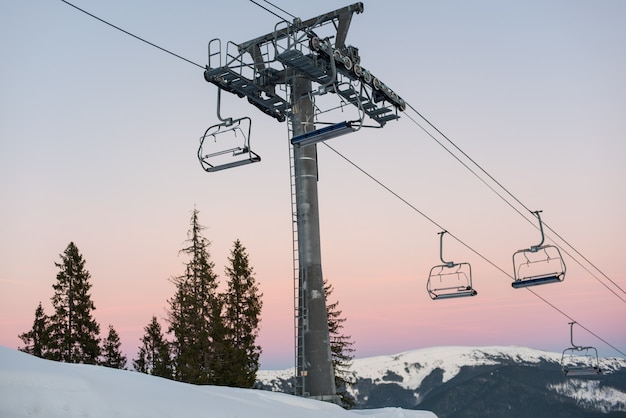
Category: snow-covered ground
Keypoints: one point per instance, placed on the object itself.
(32, 387)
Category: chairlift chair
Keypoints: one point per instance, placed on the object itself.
(449, 280)
(231, 141)
(575, 363)
(539, 264)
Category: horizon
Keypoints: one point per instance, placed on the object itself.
(98, 146)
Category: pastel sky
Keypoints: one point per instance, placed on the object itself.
(98, 141)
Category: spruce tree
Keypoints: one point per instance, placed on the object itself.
(154, 353)
(193, 310)
(74, 333)
(111, 354)
(242, 316)
(37, 340)
(340, 348)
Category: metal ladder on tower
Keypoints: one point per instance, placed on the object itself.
(299, 309)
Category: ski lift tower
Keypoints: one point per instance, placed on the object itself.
(288, 74)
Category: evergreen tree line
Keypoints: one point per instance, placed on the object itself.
(212, 335)
(71, 334)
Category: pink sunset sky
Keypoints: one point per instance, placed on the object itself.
(98, 141)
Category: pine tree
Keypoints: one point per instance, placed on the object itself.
(242, 316)
(73, 331)
(340, 348)
(193, 311)
(37, 340)
(111, 354)
(220, 349)
(154, 353)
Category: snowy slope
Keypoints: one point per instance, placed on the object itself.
(593, 394)
(32, 387)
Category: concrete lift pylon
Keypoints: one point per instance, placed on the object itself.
(277, 72)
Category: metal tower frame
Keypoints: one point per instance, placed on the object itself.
(287, 74)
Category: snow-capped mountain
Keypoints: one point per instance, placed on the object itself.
(479, 381)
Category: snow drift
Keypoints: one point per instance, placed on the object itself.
(33, 387)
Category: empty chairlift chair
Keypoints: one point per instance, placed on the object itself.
(227, 145)
(449, 280)
(579, 361)
(539, 264)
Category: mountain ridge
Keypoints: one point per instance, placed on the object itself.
(460, 381)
